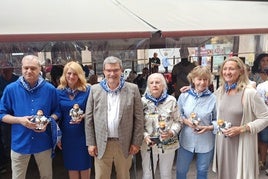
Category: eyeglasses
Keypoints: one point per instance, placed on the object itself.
(113, 70)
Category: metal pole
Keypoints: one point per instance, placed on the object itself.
(152, 161)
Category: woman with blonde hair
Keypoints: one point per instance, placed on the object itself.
(198, 113)
(236, 151)
(73, 92)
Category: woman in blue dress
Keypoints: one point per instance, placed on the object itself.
(73, 93)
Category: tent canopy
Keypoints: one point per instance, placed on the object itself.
(183, 22)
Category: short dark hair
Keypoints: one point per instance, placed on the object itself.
(256, 65)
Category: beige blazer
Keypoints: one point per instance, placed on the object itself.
(131, 117)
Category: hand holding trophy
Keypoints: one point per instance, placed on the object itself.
(76, 113)
(223, 125)
(40, 120)
(195, 120)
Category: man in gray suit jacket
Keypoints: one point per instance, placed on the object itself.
(114, 122)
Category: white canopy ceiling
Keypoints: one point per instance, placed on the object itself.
(68, 19)
(195, 18)
(52, 20)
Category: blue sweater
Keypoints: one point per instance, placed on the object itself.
(17, 101)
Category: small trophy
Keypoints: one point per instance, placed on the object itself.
(40, 120)
(162, 126)
(195, 120)
(223, 125)
(75, 112)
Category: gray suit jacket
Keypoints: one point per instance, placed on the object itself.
(131, 117)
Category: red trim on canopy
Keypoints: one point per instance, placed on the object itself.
(192, 33)
(72, 36)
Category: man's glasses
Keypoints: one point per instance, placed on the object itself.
(113, 70)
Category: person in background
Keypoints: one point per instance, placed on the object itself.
(90, 71)
(141, 80)
(165, 62)
(180, 72)
(55, 74)
(73, 91)
(132, 76)
(259, 70)
(162, 122)
(93, 79)
(239, 106)
(114, 122)
(19, 104)
(253, 83)
(86, 70)
(154, 63)
(7, 76)
(48, 66)
(198, 112)
(262, 89)
(259, 74)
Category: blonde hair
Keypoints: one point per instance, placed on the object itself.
(243, 80)
(81, 83)
(200, 71)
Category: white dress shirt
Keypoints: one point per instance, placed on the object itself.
(113, 101)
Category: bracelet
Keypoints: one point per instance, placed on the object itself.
(244, 128)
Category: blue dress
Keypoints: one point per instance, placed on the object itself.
(74, 149)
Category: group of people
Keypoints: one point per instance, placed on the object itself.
(114, 122)
(232, 117)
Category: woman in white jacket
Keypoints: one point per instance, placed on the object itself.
(161, 124)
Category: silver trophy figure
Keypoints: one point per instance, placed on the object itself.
(40, 120)
(195, 120)
(223, 125)
(75, 112)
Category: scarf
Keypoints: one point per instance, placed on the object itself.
(192, 92)
(157, 101)
(228, 88)
(71, 92)
(105, 86)
(27, 86)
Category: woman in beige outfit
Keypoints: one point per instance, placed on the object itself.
(236, 153)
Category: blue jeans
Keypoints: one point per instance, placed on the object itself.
(263, 135)
(184, 159)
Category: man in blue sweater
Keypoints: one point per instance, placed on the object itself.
(20, 102)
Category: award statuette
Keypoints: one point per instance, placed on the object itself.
(40, 120)
(162, 125)
(75, 112)
(195, 120)
(223, 125)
